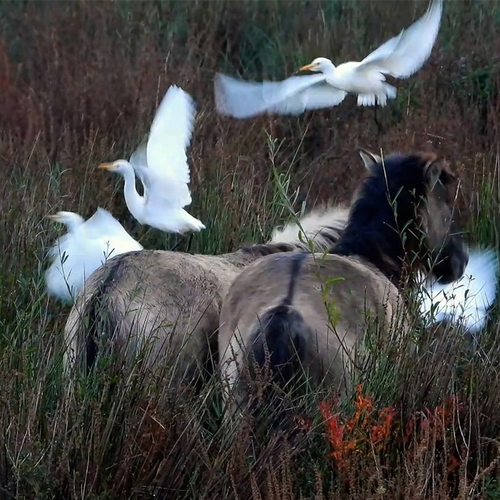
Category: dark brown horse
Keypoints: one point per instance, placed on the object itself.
(301, 311)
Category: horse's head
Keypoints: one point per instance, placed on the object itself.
(425, 182)
(448, 252)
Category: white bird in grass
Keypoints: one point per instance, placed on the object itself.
(399, 57)
(84, 248)
(161, 165)
(464, 301)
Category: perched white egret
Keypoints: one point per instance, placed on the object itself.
(399, 57)
(161, 165)
(79, 252)
(466, 300)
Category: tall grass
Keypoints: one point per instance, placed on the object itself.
(79, 83)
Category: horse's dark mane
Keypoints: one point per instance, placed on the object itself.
(332, 233)
(325, 238)
(262, 249)
(375, 225)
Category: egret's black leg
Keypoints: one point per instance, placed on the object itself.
(189, 242)
(177, 244)
(381, 129)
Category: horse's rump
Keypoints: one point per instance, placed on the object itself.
(127, 306)
(310, 308)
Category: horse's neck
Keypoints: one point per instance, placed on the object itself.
(380, 246)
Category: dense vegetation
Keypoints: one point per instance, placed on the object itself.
(79, 83)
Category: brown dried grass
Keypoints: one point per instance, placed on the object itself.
(79, 83)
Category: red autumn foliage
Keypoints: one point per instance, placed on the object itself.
(370, 430)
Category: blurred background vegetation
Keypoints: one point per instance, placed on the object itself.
(79, 84)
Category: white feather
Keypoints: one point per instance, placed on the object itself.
(467, 300)
(294, 95)
(169, 137)
(405, 54)
(86, 246)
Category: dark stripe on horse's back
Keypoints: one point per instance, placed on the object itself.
(283, 330)
(96, 306)
(297, 259)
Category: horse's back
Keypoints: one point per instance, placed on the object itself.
(169, 298)
(306, 281)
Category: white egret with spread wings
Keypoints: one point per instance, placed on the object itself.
(161, 165)
(399, 57)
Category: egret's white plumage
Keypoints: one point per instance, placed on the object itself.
(399, 57)
(466, 300)
(161, 165)
(79, 252)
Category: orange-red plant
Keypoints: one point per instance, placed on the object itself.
(335, 432)
(362, 428)
(381, 430)
(369, 429)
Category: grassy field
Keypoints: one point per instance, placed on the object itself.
(79, 84)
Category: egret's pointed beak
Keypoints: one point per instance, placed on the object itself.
(307, 67)
(55, 217)
(106, 166)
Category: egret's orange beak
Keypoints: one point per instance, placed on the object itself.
(106, 166)
(307, 66)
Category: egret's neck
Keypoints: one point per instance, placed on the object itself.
(328, 69)
(73, 225)
(134, 201)
(71, 220)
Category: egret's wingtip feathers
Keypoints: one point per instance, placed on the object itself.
(177, 92)
(221, 102)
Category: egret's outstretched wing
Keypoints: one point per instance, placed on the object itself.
(318, 96)
(294, 95)
(405, 54)
(103, 225)
(171, 132)
(166, 168)
(468, 298)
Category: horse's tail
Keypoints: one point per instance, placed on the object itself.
(92, 316)
(281, 338)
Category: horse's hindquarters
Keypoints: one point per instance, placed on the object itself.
(156, 309)
(312, 308)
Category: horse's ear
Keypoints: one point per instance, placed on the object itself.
(433, 171)
(369, 159)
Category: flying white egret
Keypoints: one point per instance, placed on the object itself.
(399, 57)
(79, 252)
(466, 300)
(161, 165)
